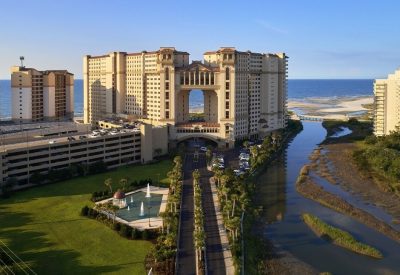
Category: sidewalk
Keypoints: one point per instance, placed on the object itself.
(230, 269)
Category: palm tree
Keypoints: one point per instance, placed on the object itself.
(174, 199)
(254, 151)
(113, 209)
(177, 160)
(235, 225)
(224, 179)
(227, 208)
(168, 219)
(172, 180)
(244, 201)
(108, 183)
(196, 175)
(217, 175)
(199, 240)
(234, 198)
(123, 183)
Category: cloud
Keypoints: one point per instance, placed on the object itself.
(264, 24)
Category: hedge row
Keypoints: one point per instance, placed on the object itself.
(123, 229)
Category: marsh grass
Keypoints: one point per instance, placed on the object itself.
(339, 237)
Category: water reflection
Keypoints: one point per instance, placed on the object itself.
(272, 185)
(282, 205)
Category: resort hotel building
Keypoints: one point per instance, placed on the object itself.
(387, 104)
(244, 93)
(41, 95)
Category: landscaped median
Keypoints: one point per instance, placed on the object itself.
(199, 237)
(339, 237)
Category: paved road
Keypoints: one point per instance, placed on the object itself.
(186, 253)
(215, 258)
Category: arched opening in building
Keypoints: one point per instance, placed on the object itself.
(197, 142)
(196, 106)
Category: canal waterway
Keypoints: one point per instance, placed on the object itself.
(283, 207)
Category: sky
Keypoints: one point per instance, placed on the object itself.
(324, 39)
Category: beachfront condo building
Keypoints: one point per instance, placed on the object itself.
(244, 93)
(387, 104)
(41, 95)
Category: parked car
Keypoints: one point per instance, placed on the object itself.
(82, 137)
(203, 149)
(52, 141)
(238, 172)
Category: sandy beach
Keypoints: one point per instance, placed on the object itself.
(331, 108)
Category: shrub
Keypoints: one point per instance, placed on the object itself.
(85, 210)
(89, 213)
(146, 235)
(353, 121)
(136, 234)
(117, 226)
(94, 213)
(97, 167)
(371, 140)
(36, 178)
(134, 183)
(125, 231)
(7, 187)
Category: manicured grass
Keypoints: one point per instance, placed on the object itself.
(339, 237)
(43, 227)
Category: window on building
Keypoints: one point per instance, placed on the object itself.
(226, 85)
(226, 114)
(167, 74)
(227, 73)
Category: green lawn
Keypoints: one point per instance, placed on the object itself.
(43, 226)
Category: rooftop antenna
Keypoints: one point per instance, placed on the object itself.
(22, 60)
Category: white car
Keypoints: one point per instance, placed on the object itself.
(238, 172)
(52, 141)
(203, 149)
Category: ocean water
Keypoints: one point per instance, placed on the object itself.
(297, 89)
(306, 88)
